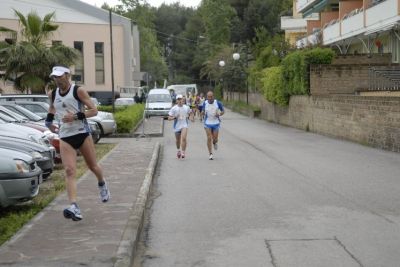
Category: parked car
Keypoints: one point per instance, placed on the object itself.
(25, 97)
(24, 132)
(95, 101)
(21, 111)
(158, 103)
(20, 177)
(39, 108)
(124, 101)
(95, 131)
(50, 138)
(105, 121)
(42, 154)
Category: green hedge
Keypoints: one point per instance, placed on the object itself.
(292, 77)
(272, 85)
(295, 68)
(128, 118)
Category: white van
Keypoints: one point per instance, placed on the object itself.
(183, 89)
(158, 103)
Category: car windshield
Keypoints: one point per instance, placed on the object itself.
(163, 98)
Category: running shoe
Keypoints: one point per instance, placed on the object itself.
(73, 212)
(211, 157)
(179, 154)
(215, 146)
(104, 193)
(183, 155)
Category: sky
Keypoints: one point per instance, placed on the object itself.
(155, 3)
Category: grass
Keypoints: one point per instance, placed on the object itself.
(14, 217)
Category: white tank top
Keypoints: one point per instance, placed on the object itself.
(65, 104)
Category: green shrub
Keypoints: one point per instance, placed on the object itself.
(272, 85)
(128, 117)
(296, 65)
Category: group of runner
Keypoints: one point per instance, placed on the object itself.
(67, 116)
(187, 108)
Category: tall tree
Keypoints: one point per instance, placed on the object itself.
(28, 59)
(217, 17)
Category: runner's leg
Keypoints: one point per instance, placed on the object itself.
(68, 157)
(89, 154)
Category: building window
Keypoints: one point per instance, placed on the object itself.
(99, 62)
(79, 77)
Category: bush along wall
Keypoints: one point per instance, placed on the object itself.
(294, 74)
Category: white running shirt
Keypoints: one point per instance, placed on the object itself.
(181, 115)
(65, 104)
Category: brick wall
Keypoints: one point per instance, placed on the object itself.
(338, 79)
(373, 121)
(364, 59)
(346, 75)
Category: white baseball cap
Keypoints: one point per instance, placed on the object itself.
(59, 71)
(179, 97)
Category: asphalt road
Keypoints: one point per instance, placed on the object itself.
(274, 196)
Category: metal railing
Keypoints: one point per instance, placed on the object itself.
(385, 78)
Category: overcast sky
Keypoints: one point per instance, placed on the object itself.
(155, 3)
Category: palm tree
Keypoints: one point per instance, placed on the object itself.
(27, 61)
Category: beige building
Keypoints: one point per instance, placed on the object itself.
(86, 28)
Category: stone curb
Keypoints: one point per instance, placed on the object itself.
(131, 235)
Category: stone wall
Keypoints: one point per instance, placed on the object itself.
(373, 121)
(347, 74)
(338, 79)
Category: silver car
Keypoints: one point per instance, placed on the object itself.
(105, 121)
(20, 177)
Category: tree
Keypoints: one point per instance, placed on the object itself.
(27, 61)
(217, 16)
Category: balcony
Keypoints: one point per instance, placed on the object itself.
(331, 32)
(353, 24)
(301, 5)
(381, 15)
(290, 23)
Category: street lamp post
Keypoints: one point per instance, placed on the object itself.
(236, 56)
(221, 63)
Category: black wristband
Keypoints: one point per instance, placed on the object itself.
(80, 116)
(50, 117)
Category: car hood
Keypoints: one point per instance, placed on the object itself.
(24, 132)
(7, 157)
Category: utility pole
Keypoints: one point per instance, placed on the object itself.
(112, 62)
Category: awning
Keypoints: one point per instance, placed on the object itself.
(316, 8)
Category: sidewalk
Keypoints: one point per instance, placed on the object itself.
(107, 234)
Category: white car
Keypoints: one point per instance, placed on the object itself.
(158, 103)
(124, 101)
(105, 121)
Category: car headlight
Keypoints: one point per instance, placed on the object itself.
(22, 166)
